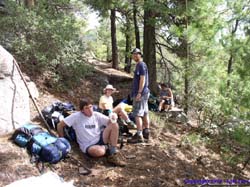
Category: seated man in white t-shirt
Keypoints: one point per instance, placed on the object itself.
(106, 106)
(95, 132)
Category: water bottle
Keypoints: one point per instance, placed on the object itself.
(113, 117)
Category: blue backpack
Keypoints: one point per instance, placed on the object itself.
(40, 144)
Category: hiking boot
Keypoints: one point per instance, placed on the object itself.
(145, 133)
(121, 121)
(116, 160)
(136, 139)
(131, 125)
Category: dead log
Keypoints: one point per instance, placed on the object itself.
(114, 75)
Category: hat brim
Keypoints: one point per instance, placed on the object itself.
(137, 53)
(113, 89)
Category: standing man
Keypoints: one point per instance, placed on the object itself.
(140, 95)
(97, 135)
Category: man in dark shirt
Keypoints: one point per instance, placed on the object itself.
(140, 94)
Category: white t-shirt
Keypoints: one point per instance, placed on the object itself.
(88, 129)
(108, 100)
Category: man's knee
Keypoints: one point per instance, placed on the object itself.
(96, 151)
(117, 109)
(112, 127)
(115, 126)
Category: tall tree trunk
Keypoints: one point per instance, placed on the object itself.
(229, 68)
(186, 86)
(113, 40)
(128, 45)
(149, 50)
(108, 57)
(183, 53)
(230, 61)
(186, 49)
(29, 3)
(137, 32)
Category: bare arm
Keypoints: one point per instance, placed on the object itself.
(60, 127)
(170, 96)
(166, 97)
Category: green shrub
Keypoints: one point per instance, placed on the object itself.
(45, 39)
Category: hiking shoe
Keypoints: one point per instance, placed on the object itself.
(116, 160)
(145, 133)
(121, 121)
(136, 139)
(131, 125)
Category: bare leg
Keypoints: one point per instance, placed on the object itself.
(145, 121)
(118, 109)
(138, 121)
(167, 107)
(110, 134)
(97, 150)
(161, 105)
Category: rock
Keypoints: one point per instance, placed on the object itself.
(178, 182)
(177, 115)
(84, 171)
(33, 89)
(14, 101)
(142, 177)
(130, 156)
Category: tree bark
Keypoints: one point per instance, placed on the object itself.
(229, 68)
(29, 3)
(108, 57)
(230, 61)
(184, 55)
(128, 45)
(185, 47)
(113, 40)
(149, 50)
(137, 31)
(186, 86)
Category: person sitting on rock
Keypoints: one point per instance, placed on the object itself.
(106, 106)
(97, 135)
(166, 97)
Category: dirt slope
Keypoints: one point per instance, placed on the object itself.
(166, 161)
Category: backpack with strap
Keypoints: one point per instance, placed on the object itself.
(56, 112)
(40, 144)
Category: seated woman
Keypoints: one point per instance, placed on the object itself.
(106, 106)
(166, 98)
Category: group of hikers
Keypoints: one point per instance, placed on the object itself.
(97, 132)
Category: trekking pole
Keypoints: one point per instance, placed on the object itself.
(32, 98)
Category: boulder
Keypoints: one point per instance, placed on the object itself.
(177, 115)
(14, 101)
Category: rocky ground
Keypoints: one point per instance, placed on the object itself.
(168, 160)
